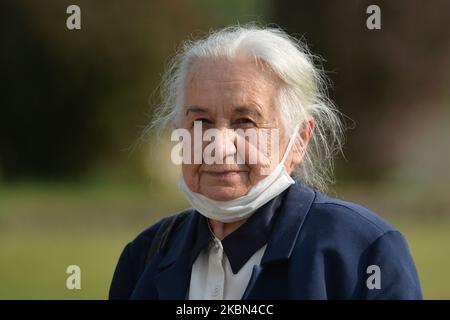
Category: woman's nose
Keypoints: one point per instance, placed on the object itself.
(226, 145)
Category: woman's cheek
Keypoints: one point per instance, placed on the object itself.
(254, 174)
(191, 176)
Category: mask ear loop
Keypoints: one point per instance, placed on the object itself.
(288, 148)
(291, 143)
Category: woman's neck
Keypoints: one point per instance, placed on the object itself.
(221, 229)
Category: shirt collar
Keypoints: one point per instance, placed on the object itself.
(241, 244)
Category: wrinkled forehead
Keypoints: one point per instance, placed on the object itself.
(228, 84)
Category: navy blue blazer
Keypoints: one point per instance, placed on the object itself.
(319, 248)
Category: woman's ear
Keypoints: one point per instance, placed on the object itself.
(301, 143)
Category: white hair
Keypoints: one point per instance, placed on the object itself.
(304, 92)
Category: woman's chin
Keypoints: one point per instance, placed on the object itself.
(222, 193)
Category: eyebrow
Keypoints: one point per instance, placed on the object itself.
(244, 110)
(196, 109)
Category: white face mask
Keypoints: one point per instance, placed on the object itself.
(243, 207)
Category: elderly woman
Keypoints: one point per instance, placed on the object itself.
(260, 229)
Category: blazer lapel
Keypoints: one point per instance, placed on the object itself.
(253, 279)
(173, 271)
(175, 268)
(172, 282)
(286, 230)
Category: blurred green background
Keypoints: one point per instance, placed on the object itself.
(77, 182)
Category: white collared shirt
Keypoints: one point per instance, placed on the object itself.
(212, 277)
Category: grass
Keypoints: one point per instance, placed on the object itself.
(44, 229)
(34, 265)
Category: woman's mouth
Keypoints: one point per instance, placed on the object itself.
(228, 174)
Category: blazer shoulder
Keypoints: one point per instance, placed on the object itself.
(132, 261)
(345, 239)
(143, 241)
(341, 217)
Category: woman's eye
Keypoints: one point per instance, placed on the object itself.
(203, 121)
(244, 122)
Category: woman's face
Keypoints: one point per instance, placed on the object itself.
(231, 94)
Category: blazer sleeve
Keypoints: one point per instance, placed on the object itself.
(124, 278)
(392, 259)
(131, 264)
